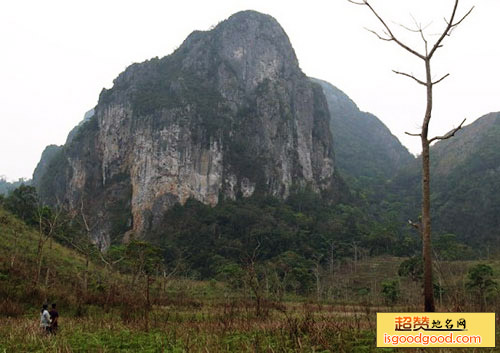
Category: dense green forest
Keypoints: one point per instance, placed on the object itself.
(290, 239)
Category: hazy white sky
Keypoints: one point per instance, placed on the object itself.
(58, 55)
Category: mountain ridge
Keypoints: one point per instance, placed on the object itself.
(364, 147)
(465, 183)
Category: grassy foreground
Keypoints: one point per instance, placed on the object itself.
(208, 326)
(211, 328)
(113, 314)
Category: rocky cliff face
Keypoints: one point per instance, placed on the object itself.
(228, 114)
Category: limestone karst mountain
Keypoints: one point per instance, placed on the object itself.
(228, 114)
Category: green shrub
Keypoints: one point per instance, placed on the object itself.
(390, 291)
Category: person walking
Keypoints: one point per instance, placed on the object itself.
(54, 315)
(45, 318)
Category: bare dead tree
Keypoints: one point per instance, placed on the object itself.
(317, 274)
(48, 222)
(83, 243)
(17, 231)
(252, 279)
(88, 245)
(355, 248)
(430, 49)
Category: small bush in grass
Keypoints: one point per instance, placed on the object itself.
(390, 291)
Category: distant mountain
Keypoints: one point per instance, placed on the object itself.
(364, 147)
(53, 151)
(48, 155)
(86, 118)
(465, 183)
(6, 186)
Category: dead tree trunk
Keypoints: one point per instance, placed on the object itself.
(425, 226)
(426, 200)
(14, 253)
(47, 223)
(86, 247)
(148, 303)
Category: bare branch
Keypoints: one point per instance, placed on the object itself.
(419, 29)
(411, 134)
(103, 259)
(445, 32)
(441, 79)
(428, 25)
(450, 25)
(425, 41)
(409, 29)
(119, 260)
(410, 76)
(378, 35)
(463, 18)
(417, 24)
(414, 225)
(392, 37)
(177, 265)
(110, 264)
(449, 134)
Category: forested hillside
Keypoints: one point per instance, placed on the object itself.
(366, 152)
(465, 185)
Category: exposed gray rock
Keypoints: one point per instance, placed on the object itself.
(228, 114)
